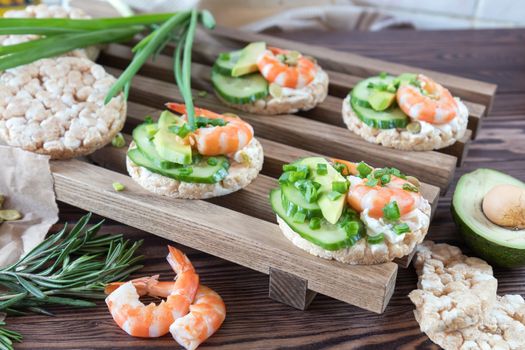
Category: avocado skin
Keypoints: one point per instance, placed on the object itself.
(495, 254)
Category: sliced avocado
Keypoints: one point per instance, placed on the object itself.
(381, 100)
(496, 244)
(331, 208)
(170, 148)
(168, 119)
(247, 62)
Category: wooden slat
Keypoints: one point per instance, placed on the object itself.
(225, 233)
(328, 111)
(275, 154)
(468, 89)
(431, 167)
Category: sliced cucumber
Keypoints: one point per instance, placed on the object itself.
(328, 236)
(294, 201)
(362, 91)
(241, 90)
(226, 61)
(390, 118)
(200, 172)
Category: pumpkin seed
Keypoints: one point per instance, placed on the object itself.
(10, 215)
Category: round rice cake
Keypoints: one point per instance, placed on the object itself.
(457, 304)
(56, 107)
(362, 253)
(243, 170)
(291, 101)
(429, 138)
(45, 11)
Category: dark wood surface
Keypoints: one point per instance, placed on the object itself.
(256, 322)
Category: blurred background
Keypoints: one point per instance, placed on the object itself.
(330, 15)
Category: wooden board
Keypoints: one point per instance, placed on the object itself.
(241, 227)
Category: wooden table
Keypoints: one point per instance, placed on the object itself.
(256, 322)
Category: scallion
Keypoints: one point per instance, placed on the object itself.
(333, 195)
(340, 186)
(375, 239)
(363, 169)
(401, 228)
(212, 161)
(391, 211)
(409, 187)
(321, 169)
(315, 223)
(299, 217)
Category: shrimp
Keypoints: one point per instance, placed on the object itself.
(374, 198)
(430, 102)
(218, 140)
(291, 76)
(206, 316)
(149, 321)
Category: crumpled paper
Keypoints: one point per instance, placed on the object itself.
(27, 184)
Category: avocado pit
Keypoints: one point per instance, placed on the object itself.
(504, 205)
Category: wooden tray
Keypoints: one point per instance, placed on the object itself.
(241, 227)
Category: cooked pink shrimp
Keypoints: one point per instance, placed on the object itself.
(206, 316)
(374, 198)
(218, 140)
(291, 76)
(149, 321)
(430, 102)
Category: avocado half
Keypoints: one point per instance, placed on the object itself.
(498, 245)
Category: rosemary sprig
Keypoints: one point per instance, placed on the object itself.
(7, 337)
(66, 269)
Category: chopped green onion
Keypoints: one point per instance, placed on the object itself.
(363, 169)
(391, 211)
(383, 75)
(385, 179)
(148, 120)
(409, 187)
(285, 177)
(185, 171)
(317, 185)
(118, 141)
(308, 190)
(371, 182)
(117, 186)
(299, 217)
(375, 239)
(212, 161)
(202, 122)
(340, 186)
(315, 223)
(333, 196)
(397, 172)
(401, 228)
(340, 168)
(380, 172)
(289, 167)
(351, 228)
(180, 130)
(322, 169)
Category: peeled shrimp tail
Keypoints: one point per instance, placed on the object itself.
(207, 314)
(143, 285)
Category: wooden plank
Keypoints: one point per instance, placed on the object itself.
(431, 167)
(275, 154)
(244, 240)
(289, 289)
(328, 111)
(345, 62)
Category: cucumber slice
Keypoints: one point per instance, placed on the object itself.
(241, 90)
(226, 61)
(294, 201)
(391, 118)
(361, 92)
(328, 236)
(200, 172)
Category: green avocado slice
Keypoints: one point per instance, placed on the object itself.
(496, 244)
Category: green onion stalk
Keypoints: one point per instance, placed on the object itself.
(61, 35)
(68, 268)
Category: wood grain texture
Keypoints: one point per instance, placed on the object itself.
(289, 289)
(256, 322)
